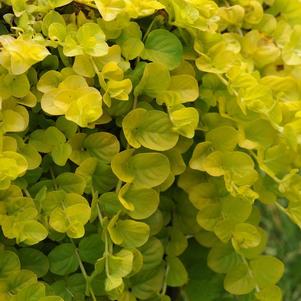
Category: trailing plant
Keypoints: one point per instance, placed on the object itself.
(140, 141)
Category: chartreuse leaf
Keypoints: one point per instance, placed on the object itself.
(110, 9)
(9, 264)
(74, 99)
(71, 182)
(19, 283)
(103, 146)
(18, 55)
(270, 293)
(92, 39)
(155, 80)
(223, 258)
(162, 46)
(185, 121)
(145, 170)
(177, 274)
(239, 281)
(151, 129)
(224, 138)
(267, 270)
(119, 266)
(139, 203)
(33, 292)
(245, 236)
(128, 233)
(63, 259)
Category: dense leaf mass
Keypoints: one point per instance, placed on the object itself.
(139, 142)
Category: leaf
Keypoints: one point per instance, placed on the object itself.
(224, 138)
(149, 169)
(151, 129)
(155, 80)
(140, 203)
(92, 39)
(61, 153)
(63, 259)
(238, 281)
(152, 252)
(120, 265)
(185, 121)
(223, 258)
(71, 182)
(162, 46)
(267, 270)
(177, 274)
(9, 264)
(91, 248)
(245, 236)
(102, 145)
(129, 233)
(270, 293)
(32, 293)
(32, 232)
(34, 260)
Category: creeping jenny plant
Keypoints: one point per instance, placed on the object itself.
(133, 132)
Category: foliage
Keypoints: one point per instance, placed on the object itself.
(140, 141)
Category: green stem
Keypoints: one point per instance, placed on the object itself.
(149, 28)
(53, 178)
(106, 251)
(83, 271)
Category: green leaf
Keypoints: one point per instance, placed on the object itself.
(162, 46)
(91, 248)
(32, 232)
(223, 258)
(224, 138)
(152, 252)
(145, 170)
(139, 203)
(102, 145)
(155, 80)
(238, 280)
(34, 260)
(245, 236)
(97, 175)
(128, 233)
(185, 121)
(9, 264)
(151, 129)
(61, 153)
(92, 39)
(177, 274)
(119, 266)
(35, 292)
(267, 270)
(270, 293)
(71, 182)
(63, 260)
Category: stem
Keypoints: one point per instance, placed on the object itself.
(53, 178)
(164, 288)
(106, 251)
(118, 186)
(83, 271)
(149, 28)
(26, 192)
